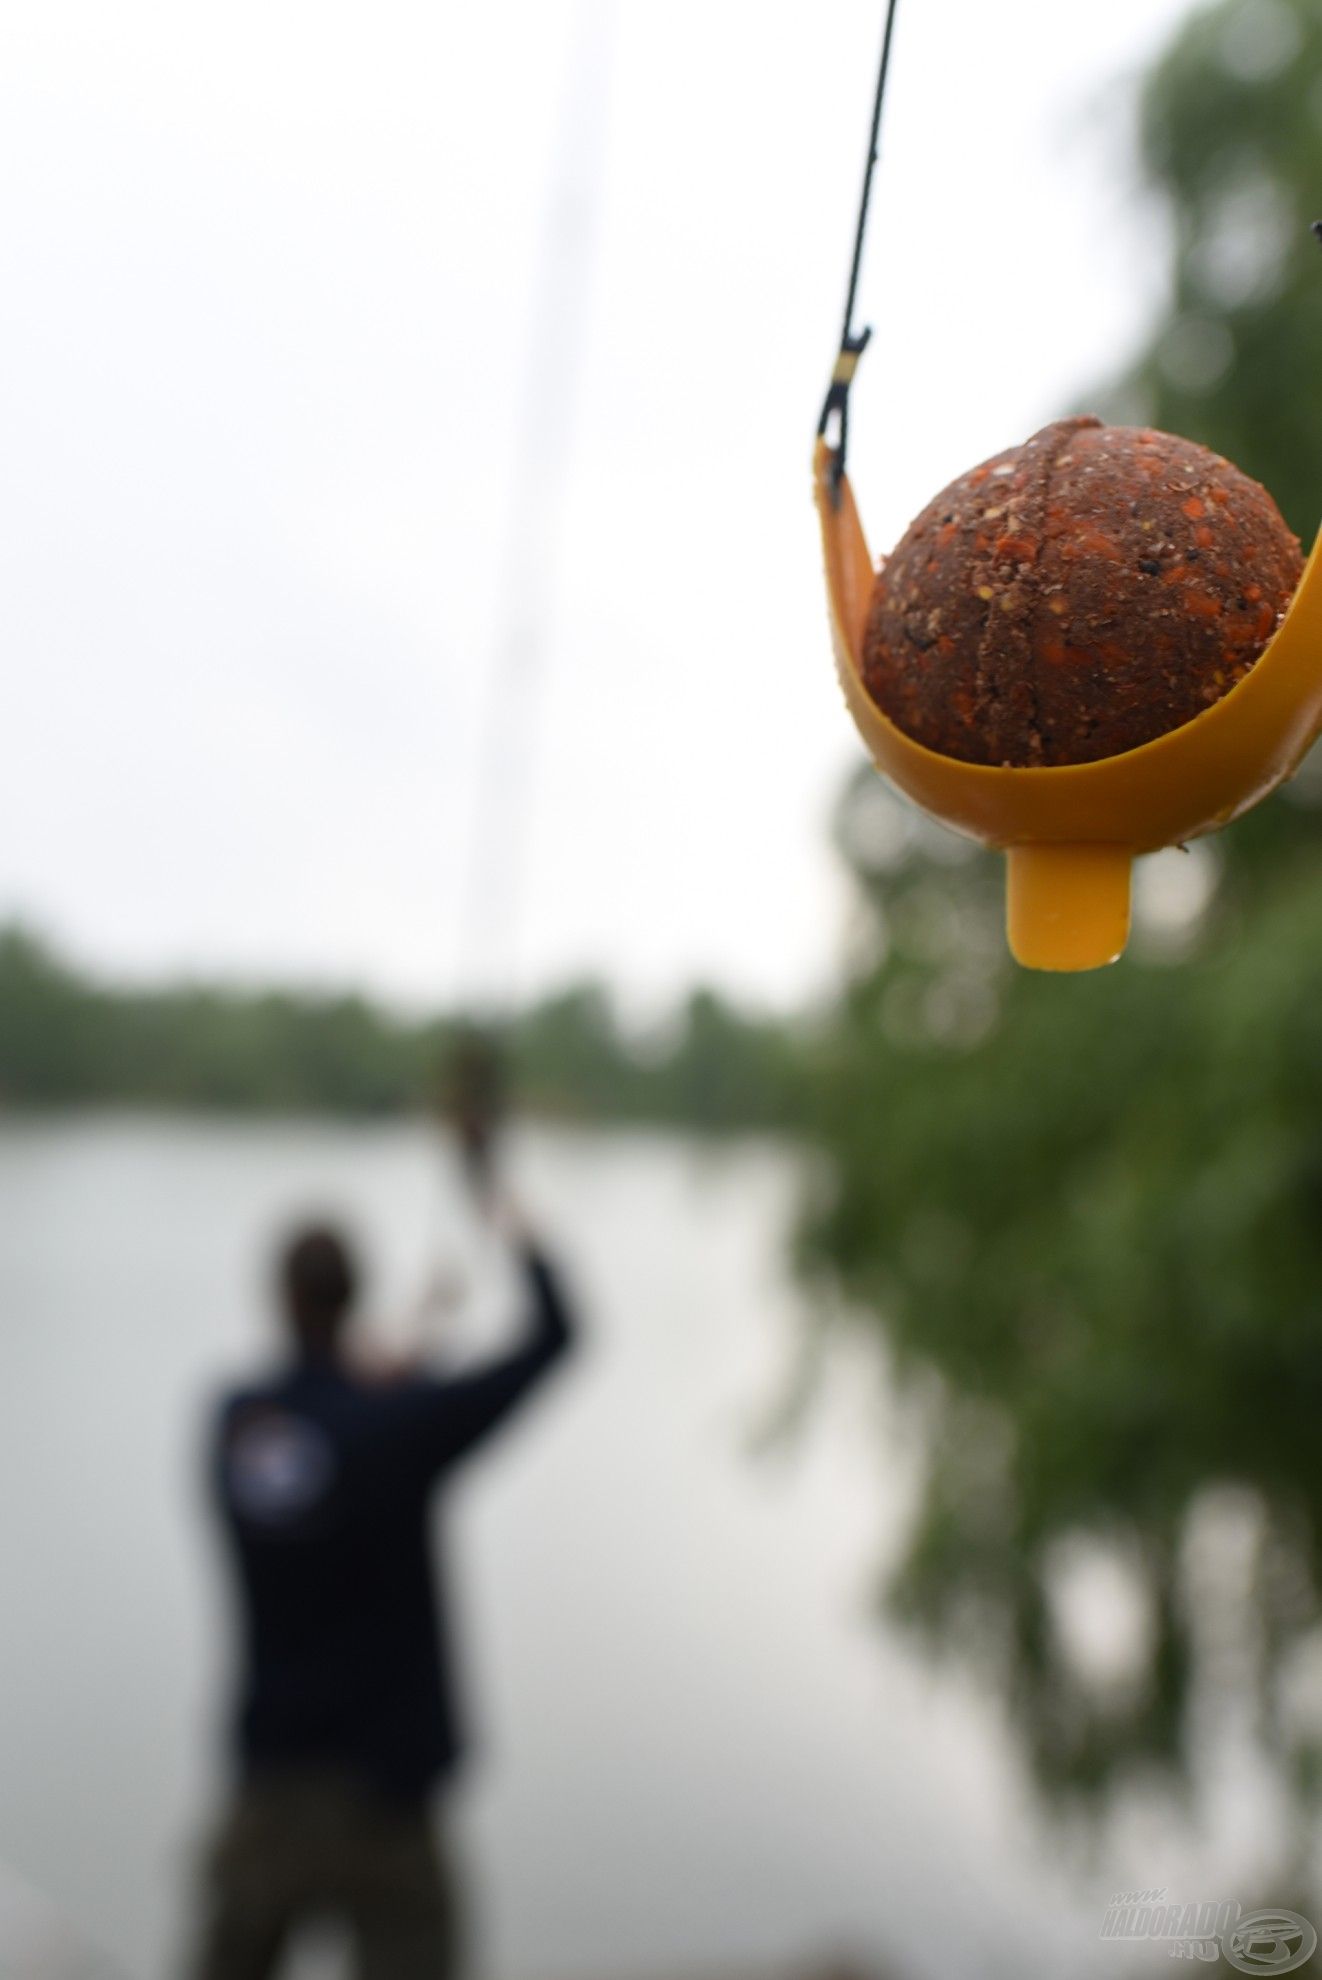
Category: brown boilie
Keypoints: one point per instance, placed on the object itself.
(1077, 596)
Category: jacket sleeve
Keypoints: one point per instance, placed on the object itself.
(456, 1414)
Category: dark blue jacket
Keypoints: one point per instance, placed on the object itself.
(323, 1481)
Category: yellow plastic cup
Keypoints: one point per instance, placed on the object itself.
(1071, 832)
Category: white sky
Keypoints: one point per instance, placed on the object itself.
(270, 278)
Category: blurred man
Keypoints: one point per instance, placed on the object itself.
(348, 1719)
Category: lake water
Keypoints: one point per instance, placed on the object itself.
(703, 1751)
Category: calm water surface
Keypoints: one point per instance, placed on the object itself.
(701, 1749)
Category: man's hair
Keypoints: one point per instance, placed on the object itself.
(318, 1281)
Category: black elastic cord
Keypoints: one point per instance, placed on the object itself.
(854, 343)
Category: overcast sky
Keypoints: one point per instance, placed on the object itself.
(276, 283)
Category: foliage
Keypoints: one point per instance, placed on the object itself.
(1229, 140)
(65, 1040)
(1084, 1216)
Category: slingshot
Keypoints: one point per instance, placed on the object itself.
(1070, 832)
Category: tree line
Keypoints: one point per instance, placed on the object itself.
(68, 1039)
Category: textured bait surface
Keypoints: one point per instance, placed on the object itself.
(1077, 596)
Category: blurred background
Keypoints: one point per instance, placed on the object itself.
(413, 609)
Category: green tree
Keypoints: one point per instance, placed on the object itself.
(66, 1039)
(1229, 143)
(1083, 1216)
(53, 1026)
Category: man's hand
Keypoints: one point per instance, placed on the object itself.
(510, 1221)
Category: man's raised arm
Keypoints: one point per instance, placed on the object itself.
(461, 1411)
